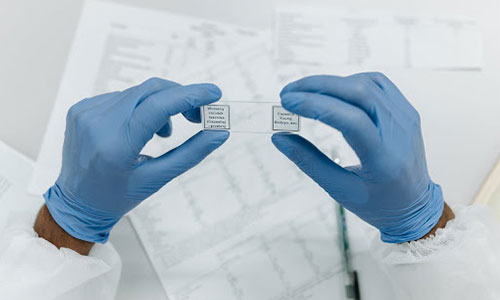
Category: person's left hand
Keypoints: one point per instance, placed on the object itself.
(391, 189)
(103, 174)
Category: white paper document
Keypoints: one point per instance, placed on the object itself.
(245, 224)
(246, 221)
(15, 171)
(118, 46)
(327, 35)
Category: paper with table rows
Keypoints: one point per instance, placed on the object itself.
(117, 46)
(319, 34)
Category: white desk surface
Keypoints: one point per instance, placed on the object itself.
(35, 38)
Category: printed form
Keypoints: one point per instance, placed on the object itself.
(327, 35)
(118, 46)
(246, 221)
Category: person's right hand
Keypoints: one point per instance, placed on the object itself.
(391, 189)
(103, 174)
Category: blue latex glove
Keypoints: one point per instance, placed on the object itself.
(103, 174)
(391, 189)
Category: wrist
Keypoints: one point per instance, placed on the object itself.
(80, 221)
(417, 220)
(47, 228)
(446, 216)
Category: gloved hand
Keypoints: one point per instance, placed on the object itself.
(103, 174)
(391, 189)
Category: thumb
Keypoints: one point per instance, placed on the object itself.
(335, 180)
(155, 173)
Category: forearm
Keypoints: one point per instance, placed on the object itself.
(47, 228)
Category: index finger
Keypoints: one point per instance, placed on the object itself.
(357, 90)
(155, 111)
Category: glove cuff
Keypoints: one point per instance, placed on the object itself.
(424, 215)
(81, 222)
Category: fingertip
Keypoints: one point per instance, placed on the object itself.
(279, 136)
(281, 141)
(219, 136)
(193, 115)
(212, 90)
(164, 134)
(288, 88)
(291, 101)
(222, 135)
(166, 130)
(283, 91)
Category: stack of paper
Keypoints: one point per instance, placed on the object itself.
(245, 223)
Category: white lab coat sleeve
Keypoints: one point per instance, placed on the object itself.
(33, 268)
(462, 260)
